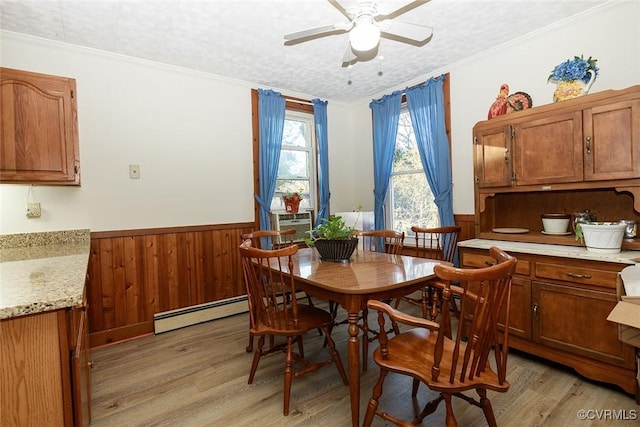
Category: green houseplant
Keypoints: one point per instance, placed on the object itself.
(333, 240)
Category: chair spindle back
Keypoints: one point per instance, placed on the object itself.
(388, 241)
(483, 294)
(267, 281)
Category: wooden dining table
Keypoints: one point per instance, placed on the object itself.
(368, 275)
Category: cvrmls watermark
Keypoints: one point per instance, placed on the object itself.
(608, 414)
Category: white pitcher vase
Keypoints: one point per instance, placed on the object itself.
(568, 89)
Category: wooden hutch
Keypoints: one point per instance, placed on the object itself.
(563, 157)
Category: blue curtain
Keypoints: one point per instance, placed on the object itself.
(386, 113)
(271, 108)
(320, 118)
(426, 107)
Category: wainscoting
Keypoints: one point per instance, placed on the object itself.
(136, 274)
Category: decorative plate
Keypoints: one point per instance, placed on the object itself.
(518, 101)
(510, 230)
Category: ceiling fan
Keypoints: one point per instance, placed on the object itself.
(368, 21)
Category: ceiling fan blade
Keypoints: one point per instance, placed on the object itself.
(324, 30)
(347, 7)
(415, 34)
(391, 14)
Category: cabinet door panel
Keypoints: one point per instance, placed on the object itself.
(612, 141)
(81, 373)
(575, 320)
(520, 308)
(549, 150)
(38, 128)
(493, 157)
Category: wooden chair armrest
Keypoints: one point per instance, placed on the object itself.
(400, 317)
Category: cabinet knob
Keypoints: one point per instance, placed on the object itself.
(588, 144)
(535, 311)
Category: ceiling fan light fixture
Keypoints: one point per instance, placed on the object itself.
(365, 35)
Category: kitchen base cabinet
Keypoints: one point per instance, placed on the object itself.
(574, 320)
(558, 311)
(44, 375)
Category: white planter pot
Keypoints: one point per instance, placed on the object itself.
(604, 237)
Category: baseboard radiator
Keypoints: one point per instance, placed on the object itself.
(181, 317)
(187, 316)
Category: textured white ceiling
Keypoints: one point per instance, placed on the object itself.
(243, 39)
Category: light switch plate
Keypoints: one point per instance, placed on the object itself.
(134, 171)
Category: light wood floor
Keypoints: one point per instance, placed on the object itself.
(197, 376)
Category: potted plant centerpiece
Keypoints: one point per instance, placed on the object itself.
(333, 239)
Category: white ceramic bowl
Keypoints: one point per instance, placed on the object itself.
(603, 237)
(555, 223)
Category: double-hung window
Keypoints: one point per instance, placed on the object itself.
(296, 170)
(410, 200)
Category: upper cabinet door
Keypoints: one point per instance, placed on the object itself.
(612, 141)
(38, 128)
(548, 150)
(493, 163)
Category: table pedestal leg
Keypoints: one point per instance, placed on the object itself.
(354, 367)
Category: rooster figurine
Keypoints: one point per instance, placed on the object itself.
(499, 106)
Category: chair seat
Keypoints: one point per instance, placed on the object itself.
(411, 351)
(309, 317)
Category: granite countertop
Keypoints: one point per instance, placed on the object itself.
(578, 252)
(42, 271)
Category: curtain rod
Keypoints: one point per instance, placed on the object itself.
(297, 100)
(404, 91)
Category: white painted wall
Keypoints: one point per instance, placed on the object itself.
(191, 132)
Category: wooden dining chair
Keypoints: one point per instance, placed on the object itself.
(436, 243)
(270, 239)
(266, 277)
(451, 366)
(387, 241)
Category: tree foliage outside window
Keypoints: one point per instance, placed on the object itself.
(296, 167)
(410, 201)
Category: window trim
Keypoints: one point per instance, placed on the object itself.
(292, 104)
(309, 121)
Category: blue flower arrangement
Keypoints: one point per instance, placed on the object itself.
(574, 69)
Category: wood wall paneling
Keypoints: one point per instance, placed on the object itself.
(134, 274)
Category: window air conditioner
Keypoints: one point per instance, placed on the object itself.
(284, 221)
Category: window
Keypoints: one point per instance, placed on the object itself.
(296, 170)
(410, 200)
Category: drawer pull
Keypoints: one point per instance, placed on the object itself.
(579, 276)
